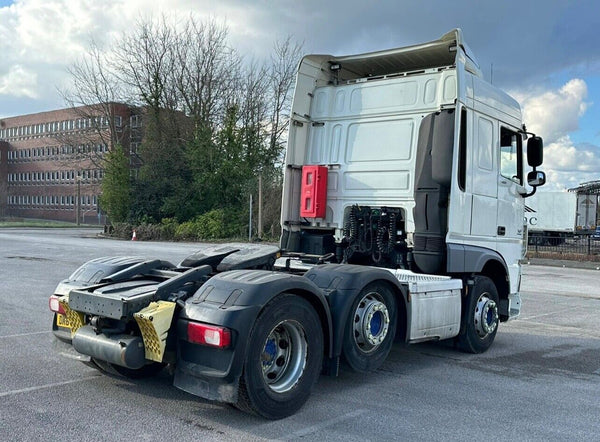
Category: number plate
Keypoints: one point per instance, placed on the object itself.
(62, 321)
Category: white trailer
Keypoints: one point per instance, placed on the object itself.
(550, 217)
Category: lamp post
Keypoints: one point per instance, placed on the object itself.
(260, 204)
(78, 205)
(250, 221)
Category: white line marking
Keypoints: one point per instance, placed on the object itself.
(314, 428)
(43, 387)
(577, 331)
(541, 315)
(26, 334)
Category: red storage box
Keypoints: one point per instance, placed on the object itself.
(313, 200)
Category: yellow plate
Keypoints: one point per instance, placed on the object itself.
(62, 321)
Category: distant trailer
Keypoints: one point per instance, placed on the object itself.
(550, 217)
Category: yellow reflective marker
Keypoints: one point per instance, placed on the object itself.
(154, 322)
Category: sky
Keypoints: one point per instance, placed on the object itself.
(545, 53)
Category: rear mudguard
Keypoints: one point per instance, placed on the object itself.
(342, 283)
(234, 300)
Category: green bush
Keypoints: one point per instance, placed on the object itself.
(168, 226)
(213, 225)
(148, 232)
(121, 230)
(186, 231)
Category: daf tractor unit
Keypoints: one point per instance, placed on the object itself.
(402, 220)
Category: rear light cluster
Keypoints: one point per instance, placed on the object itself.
(210, 335)
(55, 306)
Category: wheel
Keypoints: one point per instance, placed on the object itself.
(147, 370)
(284, 358)
(370, 328)
(480, 316)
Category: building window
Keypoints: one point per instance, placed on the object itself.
(136, 121)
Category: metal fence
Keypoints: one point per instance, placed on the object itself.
(578, 247)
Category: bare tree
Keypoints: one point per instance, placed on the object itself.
(96, 125)
(93, 93)
(281, 75)
(284, 63)
(143, 61)
(213, 124)
(205, 73)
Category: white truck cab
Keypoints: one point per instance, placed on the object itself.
(424, 165)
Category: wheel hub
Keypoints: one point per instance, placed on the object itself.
(371, 322)
(269, 354)
(486, 316)
(284, 356)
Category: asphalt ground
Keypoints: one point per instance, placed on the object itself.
(539, 381)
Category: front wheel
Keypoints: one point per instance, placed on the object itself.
(284, 359)
(370, 328)
(481, 316)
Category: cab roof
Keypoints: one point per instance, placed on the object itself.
(437, 53)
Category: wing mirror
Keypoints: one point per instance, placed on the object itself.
(535, 157)
(536, 178)
(535, 152)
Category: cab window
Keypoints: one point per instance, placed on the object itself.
(511, 154)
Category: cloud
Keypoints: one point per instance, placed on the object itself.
(43, 35)
(40, 39)
(19, 82)
(555, 114)
(564, 155)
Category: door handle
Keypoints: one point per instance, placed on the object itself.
(501, 230)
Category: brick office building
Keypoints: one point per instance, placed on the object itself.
(51, 162)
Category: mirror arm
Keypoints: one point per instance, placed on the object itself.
(527, 195)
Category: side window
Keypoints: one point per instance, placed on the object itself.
(462, 151)
(511, 155)
(485, 157)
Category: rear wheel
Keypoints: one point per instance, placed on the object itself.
(480, 316)
(284, 358)
(370, 328)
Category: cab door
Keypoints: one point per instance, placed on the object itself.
(510, 186)
(484, 169)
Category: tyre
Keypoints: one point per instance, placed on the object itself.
(147, 370)
(284, 358)
(480, 316)
(370, 328)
